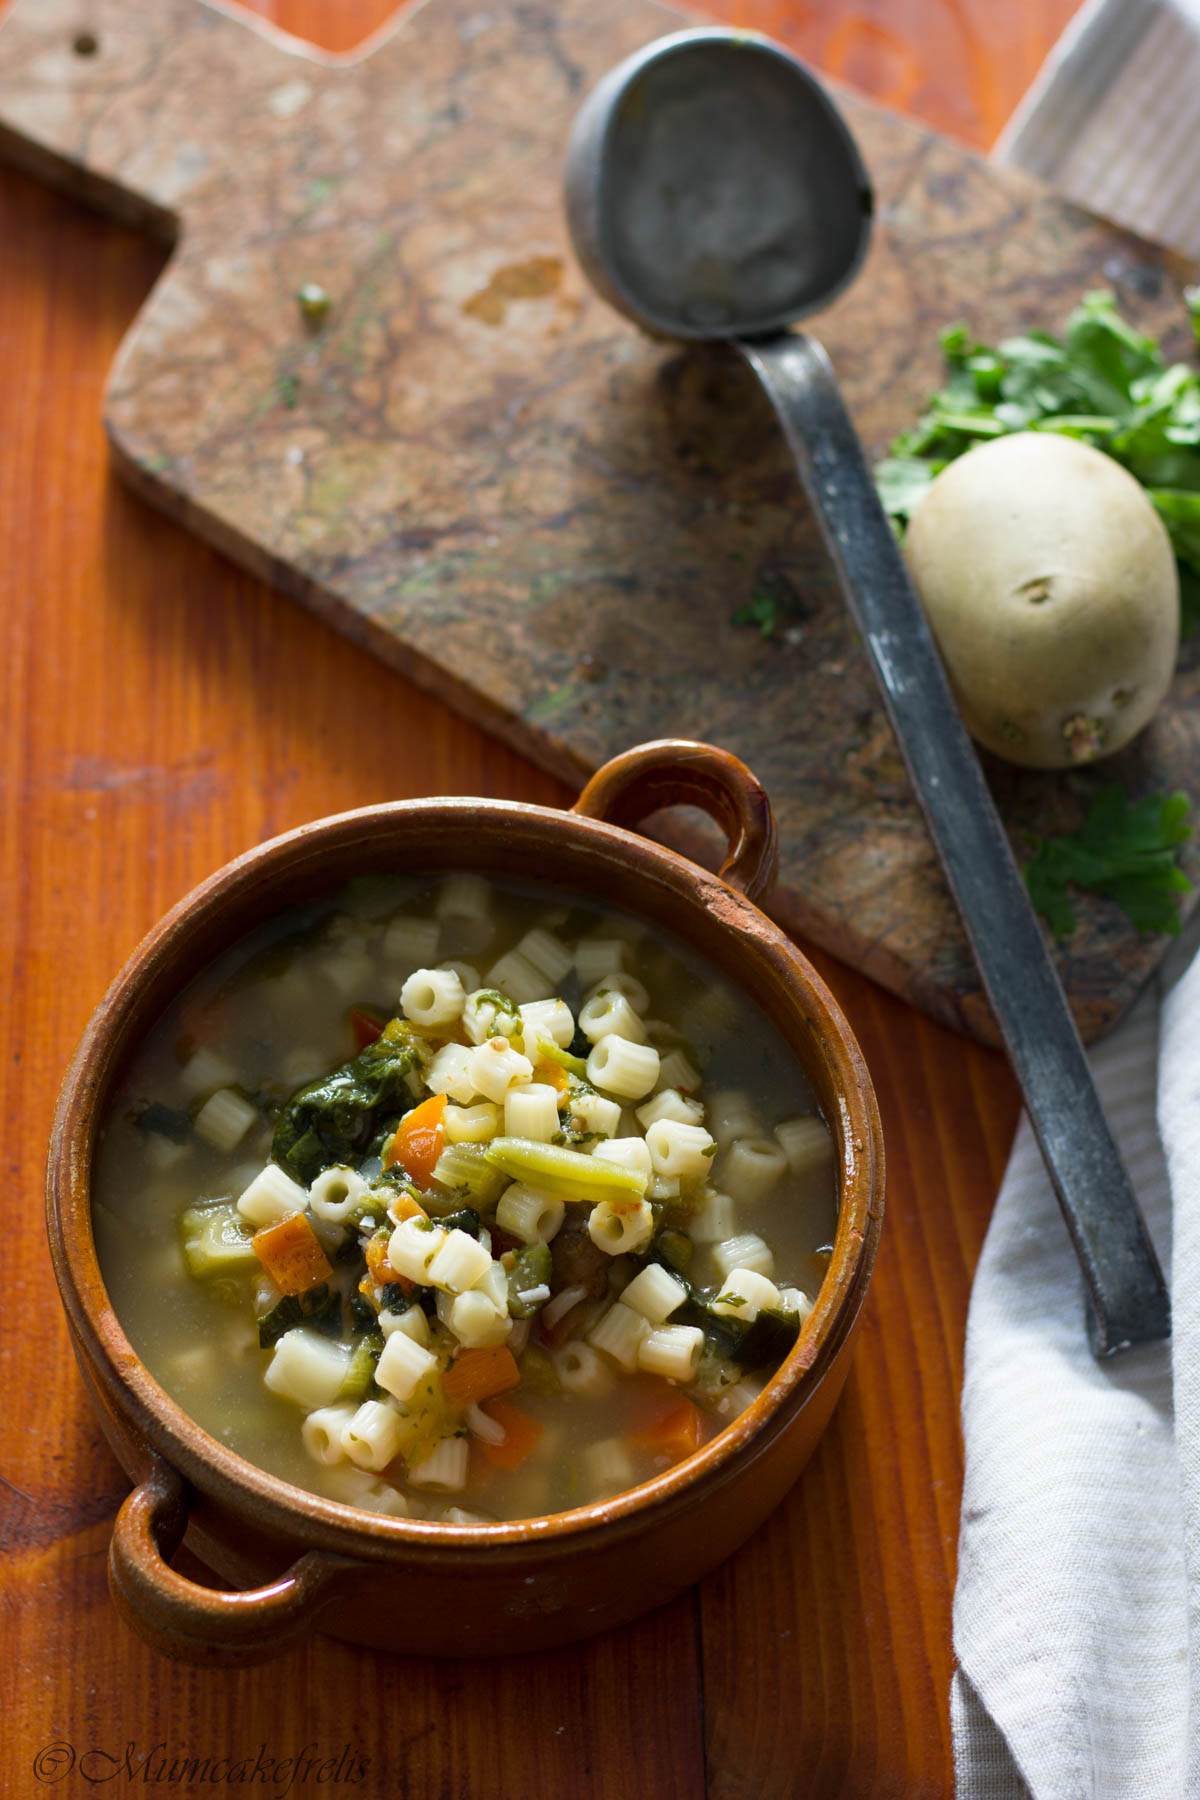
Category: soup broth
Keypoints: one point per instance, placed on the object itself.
(456, 1200)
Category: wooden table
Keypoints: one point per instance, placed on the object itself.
(162, 711)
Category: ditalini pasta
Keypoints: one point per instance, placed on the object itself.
(550, 1204)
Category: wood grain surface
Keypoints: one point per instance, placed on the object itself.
(475, 468)
(162, 710)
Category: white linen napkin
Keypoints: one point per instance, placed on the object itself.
(1113, 120)
(1077, 1608)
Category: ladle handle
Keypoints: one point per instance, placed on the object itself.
(1129, 1303)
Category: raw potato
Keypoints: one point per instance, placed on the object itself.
(1051, 588)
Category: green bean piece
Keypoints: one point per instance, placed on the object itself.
(529, 1269)
(564, 1174)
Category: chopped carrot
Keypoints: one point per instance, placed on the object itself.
(417, 1141)
(291, 1255)
(521, 1433)
(479, 1373)
(366, 1026)
(675, 1431)
(405, 1207)
(552, 1073)
(379, 1269)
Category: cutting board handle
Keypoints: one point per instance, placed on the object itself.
(676, 772)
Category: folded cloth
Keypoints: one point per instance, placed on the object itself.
(1113, 120)
(1077, 1610)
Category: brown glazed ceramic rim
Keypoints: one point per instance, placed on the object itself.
(298, 864)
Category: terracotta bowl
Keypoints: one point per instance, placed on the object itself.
(299, 1562)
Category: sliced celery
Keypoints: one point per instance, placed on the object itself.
(564, 1174)
(216, 1241)
(468, 1176)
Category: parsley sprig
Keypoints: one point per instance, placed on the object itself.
(1104, 382)
(1125, 850)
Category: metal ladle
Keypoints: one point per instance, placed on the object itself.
(714, 192)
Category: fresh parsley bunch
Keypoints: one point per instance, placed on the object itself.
(1104, 382)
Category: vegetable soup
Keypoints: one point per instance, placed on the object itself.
(455, 1200)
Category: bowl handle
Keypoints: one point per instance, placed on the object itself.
(675, 772)
(196, 1624)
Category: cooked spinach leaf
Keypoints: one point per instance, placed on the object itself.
(332, 1120)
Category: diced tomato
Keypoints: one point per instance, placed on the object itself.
(366, 1026)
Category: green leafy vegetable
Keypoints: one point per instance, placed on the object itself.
(1123, 850)
(320, 1307)
(1103, 382)
(331, 1120)
(761, 610)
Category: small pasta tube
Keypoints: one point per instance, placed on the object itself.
(349, 973)
(731, 1115)
(270, 1196)
(596, 957)
(528, 1215)
(476, 1320)
(748, 1251)
(412, 1322)
(372, 1437)
(321, 1432)
(713, 1220)
(622, 1068)
(307, 1368)
(465, 899)
(450, 1073)
(626, 1153)
(467, 973)
(413, 1246)
(204, 1072)
(807, 1143)
(608, 1013)
(618, 1332)
(471, 1124)
(432, 997)
(445, 1469)
(460, 1263)
(751, 1167)
(595, 1115)
(608, 1466)
(619, 981)
(403, 1364)
(411, 943)
(548, 1019)
(487, 1014)
(517, 977)
(581, 1371)
(495, 1065)
(531, 1111)
(672, 1350)
(669, 1103)
(616, 1226)
(548, 954)
(336, 1193)
(677, 1070)
(743, 1295)
(224, 1119)
(684, 1151)
(655, 1293)
(357, 1487)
